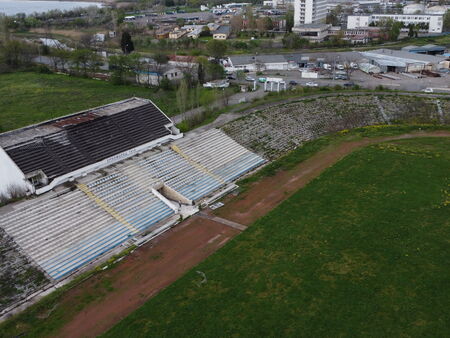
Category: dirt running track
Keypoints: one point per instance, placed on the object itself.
(157, 264)
(144, 273)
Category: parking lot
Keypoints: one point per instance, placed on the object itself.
(439, 84)
(364, 80)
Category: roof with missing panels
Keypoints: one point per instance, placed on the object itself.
(66, 144)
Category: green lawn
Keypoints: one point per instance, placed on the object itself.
(27, 98)
(363, 250)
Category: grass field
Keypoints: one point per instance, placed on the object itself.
(27, 98)
(360, 251)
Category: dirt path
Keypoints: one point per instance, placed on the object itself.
(144, 273)
(267, 193)
(159, 263)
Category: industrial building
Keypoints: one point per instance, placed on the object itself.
(398, 61)
(256, 63)
(427, 49)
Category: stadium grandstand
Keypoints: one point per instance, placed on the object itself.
(128, 174)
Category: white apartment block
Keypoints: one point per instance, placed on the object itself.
(309, 12)
(435, 22)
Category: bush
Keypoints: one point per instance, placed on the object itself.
(165, 84)
(42, 69)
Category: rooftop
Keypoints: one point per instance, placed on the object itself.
(250, 59)
(223, 30)
(401, 56)
(47, 127)
(63, 145)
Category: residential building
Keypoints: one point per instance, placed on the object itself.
(362, 35)
(309, 12)
(153, 75)
(222, 33)
(434, 22)
(177, 33)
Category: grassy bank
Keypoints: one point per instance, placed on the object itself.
(27, 98)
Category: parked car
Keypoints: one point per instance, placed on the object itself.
(340, 67)
(246, 71)
(250, 78)
(293, 83)
(231, 77)
(326, 66)
(354, 65)
(311, 84)
(349, 84)
(428, 90)
(262, 79)
(340, 77)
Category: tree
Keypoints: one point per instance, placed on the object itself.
(394, 32)
(215, 71)
(160, 60)
(180, 22)
(391, 28)
(120, 68)
(236, 24)
(216, 48)
(15, 54)
(182, 96)
(251, 21)
(413, 30)
(59, 57)
(446, 23)
(289, 20)
(294, 41)
(4, 27)
(205, 31)
(86, 40)
(126, 43)
(81, 59)
(264, 24)
(240, 75)
(202, 63)
(333, 16)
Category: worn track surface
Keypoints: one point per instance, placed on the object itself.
(145, 272)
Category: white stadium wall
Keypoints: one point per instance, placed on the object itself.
(11, 175)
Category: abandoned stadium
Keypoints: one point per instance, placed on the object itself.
(114, 176)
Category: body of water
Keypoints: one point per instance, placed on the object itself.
(12, 7)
